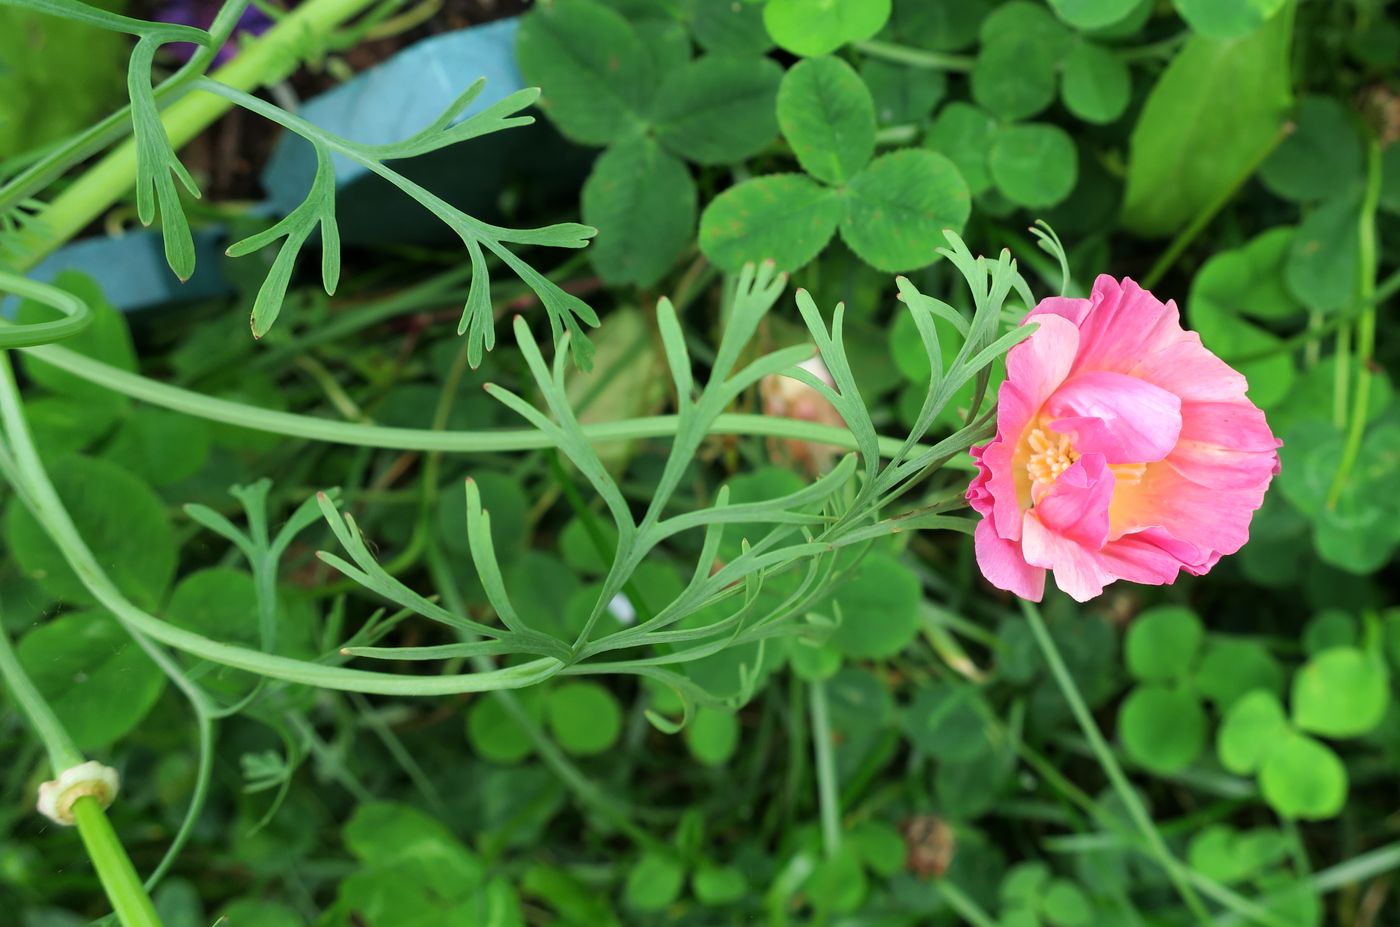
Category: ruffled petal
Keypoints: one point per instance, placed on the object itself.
(1001, 563)
(1188, 369)
(1076, 505)
(1079, 572)
(1126, 324)
(1125, 419)
(1225, 445)
(1211, 519)
(1040, 364)
(1152, 557)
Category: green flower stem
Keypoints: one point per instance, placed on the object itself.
(915, 57)
(425, 439)
(966, 908)
(265, 60)
(63, 754)
(119, 879)
(1141, 819)
(827, 797)
(1365, 325)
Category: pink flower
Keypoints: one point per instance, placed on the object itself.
(1124, 450)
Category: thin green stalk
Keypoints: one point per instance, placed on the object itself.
(966, 908)
(63, 753)
(123, 886)
(1365, 326)
(915, 57)
(266, 60)
(424, 439)
(827, 799)
(119, 879)
(1136, 810)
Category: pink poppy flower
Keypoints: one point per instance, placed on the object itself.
(1124, 450)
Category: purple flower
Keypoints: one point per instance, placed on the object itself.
(200, 14)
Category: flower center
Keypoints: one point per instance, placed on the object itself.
(1050, 455)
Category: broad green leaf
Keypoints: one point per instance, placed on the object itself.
(1227, 98)
(654, 882)
(503, 500)
(1092, 14)
(818, 27)
(642, 200)
(1226, 19)
(946, 722)
(222, 603)
(1312, 395)
(1390, 179)
(899, 207)
(718, 885)
(1303, 779)
(580, 550)
(1249, 280)
(712, 736)
(1034, 165)
(1341, 692)
(1251, 728)
(1309, 454)
(159, 446)
(67, 424)
(1162, 643)
(591, 66)
(718, 109)
(902, 94)
(828, 117)
(493, 731)
(97, 680)
(1324, 263)
(1066, 905)
(784, 218)
(880, 845)
(879, 609)
(1213, 314)
(260, 912)
(938, 26)
(1014, 76)
(1331, 627)
(1015, 73)
(838, 883)
(106, 339)
(963, 133)
(1162, 728)
(729, 28)
(1230, 856)
(120, 519)
(1025, 884)
(1321, 158)
(1095, 83)
(49, 58)
(1231, 669)
(584, 717)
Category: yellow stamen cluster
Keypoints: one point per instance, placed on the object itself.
(1051, 455)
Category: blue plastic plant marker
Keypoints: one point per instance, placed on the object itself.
(399, 97)
(132, 271)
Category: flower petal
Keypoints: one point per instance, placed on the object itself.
(1126, 324)
(1038, 365)
(1079, 572)
(1125, 419)
(1001, 563)
(1225, 445)
(1188, 369)
(1076, 505)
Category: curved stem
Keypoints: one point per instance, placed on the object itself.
(1126, 793)
(426, 439)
